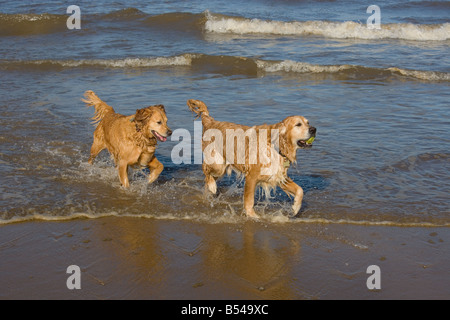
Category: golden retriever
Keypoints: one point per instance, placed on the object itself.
(131, 140)
(264, 160)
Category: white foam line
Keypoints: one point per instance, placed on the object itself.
(423, 75)
(41, 217)
(371, 223)
(182, 60)
(303, 67)
(225, 219)
(340, 30)
(300, 67)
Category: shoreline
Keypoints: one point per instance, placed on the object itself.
(138, 258)
(277, 219)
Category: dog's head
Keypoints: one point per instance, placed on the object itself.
(152, 122)
(297, 131)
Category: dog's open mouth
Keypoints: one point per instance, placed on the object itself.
(158, 136)
(304, 143)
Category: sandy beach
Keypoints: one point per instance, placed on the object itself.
(138, 258)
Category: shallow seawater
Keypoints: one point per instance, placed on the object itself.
(380, 103)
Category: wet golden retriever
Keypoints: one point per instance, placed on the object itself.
(131, 140)
(262, 153)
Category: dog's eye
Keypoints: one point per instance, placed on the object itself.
(159, 122)
(298, 124)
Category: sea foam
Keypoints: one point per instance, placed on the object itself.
(340, 30)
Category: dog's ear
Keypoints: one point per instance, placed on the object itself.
(160, 107)
(284, 125)
(142, 114)
(283, 129)
(141, 117)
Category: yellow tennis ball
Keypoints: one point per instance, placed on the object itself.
(310, 140)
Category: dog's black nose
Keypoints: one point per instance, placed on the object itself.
(169, 133)
(312, 130)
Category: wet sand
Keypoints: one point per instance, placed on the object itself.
(138, 258)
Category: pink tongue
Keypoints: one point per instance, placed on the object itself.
(160, 137)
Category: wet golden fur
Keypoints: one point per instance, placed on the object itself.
(131, 140)
(291, 134)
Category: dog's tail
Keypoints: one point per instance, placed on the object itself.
(101, 108)
(198, 107)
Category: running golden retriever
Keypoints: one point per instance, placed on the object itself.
(131, 140)
(264, 160)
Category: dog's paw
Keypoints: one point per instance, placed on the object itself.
(252, 214)
(296, 208)
(152, 178)
(212, 186)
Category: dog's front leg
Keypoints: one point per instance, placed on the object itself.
(123, 173)
(249, 197)
(290, 187)
(156, 168)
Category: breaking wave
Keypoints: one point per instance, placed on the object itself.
(183, 60)
(32, 24)
(232, 65)
(339, 30)
(357, 72)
